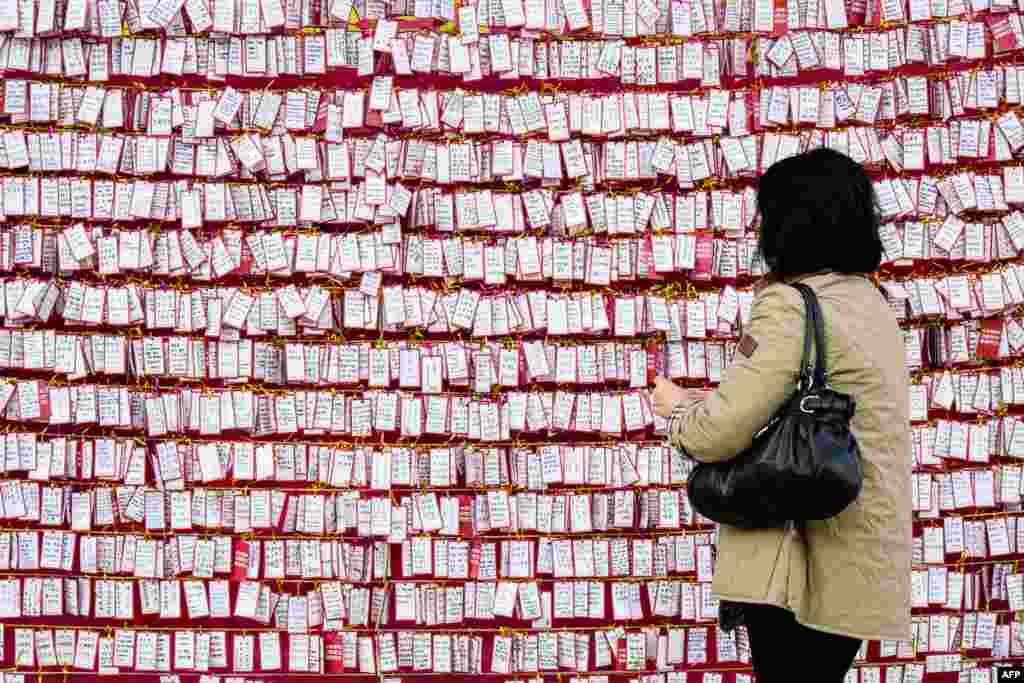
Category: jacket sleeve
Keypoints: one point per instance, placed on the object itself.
(752, 389)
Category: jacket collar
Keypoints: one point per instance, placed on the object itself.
(771, 279)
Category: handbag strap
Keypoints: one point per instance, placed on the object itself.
(815, 326)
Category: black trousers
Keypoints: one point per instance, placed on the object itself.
(783, 650)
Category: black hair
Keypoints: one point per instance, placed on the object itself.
(818, 212)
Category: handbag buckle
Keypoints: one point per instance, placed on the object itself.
(803, 400)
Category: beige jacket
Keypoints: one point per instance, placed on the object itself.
(849, 575)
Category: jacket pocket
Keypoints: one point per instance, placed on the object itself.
(752, 564)
(778, 579)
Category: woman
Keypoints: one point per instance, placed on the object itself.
(810, 593)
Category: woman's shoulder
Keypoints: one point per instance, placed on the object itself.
(840, 296)
(829, 285)
(778, 298)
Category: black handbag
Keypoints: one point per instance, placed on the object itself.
(803, 465)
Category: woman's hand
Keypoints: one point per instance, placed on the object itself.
(667, 395)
